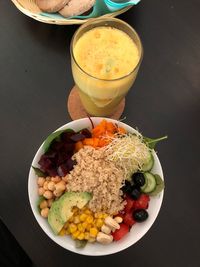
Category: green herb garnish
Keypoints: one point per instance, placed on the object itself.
(151, 143)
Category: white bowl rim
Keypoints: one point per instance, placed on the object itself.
(86, 251)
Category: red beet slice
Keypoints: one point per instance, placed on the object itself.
(62, 170)
(62, 157)
(66, 136)
(70, 164)
(56, 145)
(57, 161)
(45, 163)
(86, 133)
(69, 148)
(52, 155)
(52, 172)
(66, 167)
(77, 137)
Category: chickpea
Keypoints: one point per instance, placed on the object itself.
(40, 181)
(63, 182)
(56, 179)
(41, 191)
(64, 179)
(51, 186)
(45, 185)
(43, 204)
(48, 178)
(49, 202)
(44, 212)
(57, 193)
(60, 186)
(48, 194)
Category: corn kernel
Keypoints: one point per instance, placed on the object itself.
(84, 225)
(71, 219)
(99, 223)
(75, 234)
(105, 215)
(83, 217)
(89, 219)
(80, 227)
(98, 215)
(62, 232)
(88, 227)
(81, 236)
(93, 232)
(87, 235)
(72, 228)
(88, 212)
(76, 219)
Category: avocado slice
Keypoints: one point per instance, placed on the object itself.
(54, 219)
(61, 210)
(70, 200)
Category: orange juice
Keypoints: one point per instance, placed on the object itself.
(106, 53)
(105, 65)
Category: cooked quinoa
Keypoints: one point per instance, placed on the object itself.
(94, 173)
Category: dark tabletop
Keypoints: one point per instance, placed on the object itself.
(35, 79)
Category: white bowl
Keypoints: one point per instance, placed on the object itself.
(137, 231)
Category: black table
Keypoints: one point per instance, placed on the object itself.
(35, 79)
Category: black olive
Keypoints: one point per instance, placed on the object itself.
(135, 193)
(140, 215)
(127, 187)
(138, 179)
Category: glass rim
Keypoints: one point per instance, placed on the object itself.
(106, 19)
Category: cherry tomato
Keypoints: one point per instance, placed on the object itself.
(130, 204)
(128, 219)
(120, 233)
(142, 202)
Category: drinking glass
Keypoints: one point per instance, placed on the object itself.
(101, 97)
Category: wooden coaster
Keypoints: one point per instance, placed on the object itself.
(77, 111)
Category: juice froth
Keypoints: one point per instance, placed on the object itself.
(105, 63)
(106, 53)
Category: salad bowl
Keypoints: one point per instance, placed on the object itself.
(95, 249)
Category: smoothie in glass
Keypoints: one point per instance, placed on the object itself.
(105, 62)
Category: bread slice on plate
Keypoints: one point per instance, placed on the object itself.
(51, 6)
(76, 7)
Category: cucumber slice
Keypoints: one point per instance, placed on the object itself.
(150, 183)
(148, 165)
(160, 185)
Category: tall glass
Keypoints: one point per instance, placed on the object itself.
(101, 97)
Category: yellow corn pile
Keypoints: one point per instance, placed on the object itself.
(84, 224)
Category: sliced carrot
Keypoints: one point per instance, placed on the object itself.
(110, 127)
(103, 124)
(121, 130)
(88, 141)
(102, 134)
(96, 132)
(96, 142)
(102, 143)
(78, 146)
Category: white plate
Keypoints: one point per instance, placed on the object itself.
(137, 231)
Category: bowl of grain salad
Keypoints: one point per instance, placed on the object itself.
(96, 186)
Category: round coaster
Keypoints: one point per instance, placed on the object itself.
(77, 111)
